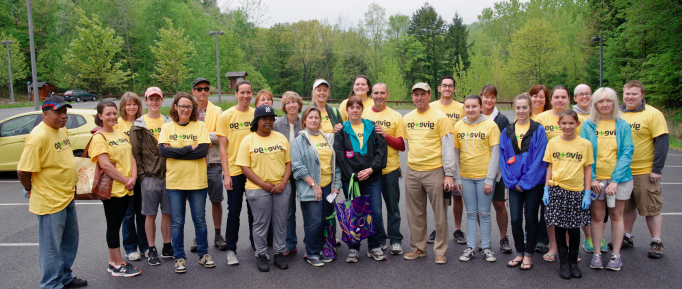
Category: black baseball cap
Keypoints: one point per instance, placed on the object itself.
(263, 110)
(200, 80)
(54, 103)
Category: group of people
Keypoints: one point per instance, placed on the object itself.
(566, 165)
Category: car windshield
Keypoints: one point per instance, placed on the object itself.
(68, 92)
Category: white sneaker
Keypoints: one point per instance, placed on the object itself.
(134, 256)
(232, 258)
(352, 256)
(467, 254)
(396, 249)
(146, 254)
(488, 254)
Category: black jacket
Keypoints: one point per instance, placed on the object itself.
(374, 158)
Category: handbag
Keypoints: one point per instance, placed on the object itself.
(93, 182)
(355, 215)
(329, 242)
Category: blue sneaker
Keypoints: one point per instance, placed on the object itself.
(596, 262)
(603, 248)
(588, 246)
(615, 264)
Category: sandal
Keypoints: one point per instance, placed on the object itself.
(549, 257)
(514, 263)
(530, 266)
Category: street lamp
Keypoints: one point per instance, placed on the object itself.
(601, 58)
(34, 72)
(9, 67)
(217, 57)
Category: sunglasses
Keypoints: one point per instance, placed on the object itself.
(201, 88)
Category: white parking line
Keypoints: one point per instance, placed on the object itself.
(9, 181)
(26, 204)
(675, 155)
(17, 244)
(671, 183)
(673, 166)
(672, 214)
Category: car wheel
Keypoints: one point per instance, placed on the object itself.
(78, 99)
(94, 98)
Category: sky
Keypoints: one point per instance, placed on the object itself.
(280, 11)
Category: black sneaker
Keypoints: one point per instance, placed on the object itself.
(432, 237)
(153, 258)
(219, 243)
(76, 283)
(194, 246)
(280, 262)
(167, 252)
(504, 245)
(459, 237)
(541, 248)
(262, 263)
(627, 242)
(125, 270)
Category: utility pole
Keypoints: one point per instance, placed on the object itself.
(9, 67)
(34, 73)
(217, 58)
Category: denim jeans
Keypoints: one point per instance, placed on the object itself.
(390, 190)
(235, 199)
(312, 224)
(197, 206)
(373, 190)
(134, 237)
(477, 204)
(57, 246)
(526, 203)
(292, 240)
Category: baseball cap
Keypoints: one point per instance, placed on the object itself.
(422, 85)
(54, 103)
(263, 110)
(200, 80)
(320, 81)
(152, 91)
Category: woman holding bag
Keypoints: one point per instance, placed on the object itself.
(361, 152)
(317, 176)
(110, 148)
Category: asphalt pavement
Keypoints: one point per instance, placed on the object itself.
(19, 252)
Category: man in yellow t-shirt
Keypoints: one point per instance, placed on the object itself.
(389, 123)
(47, 170)
(454, 111)
(233, 125)
(650, 137)
(430, 171)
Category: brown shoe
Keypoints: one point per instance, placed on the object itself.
(656, 250)
(414, 254)
(441, 259)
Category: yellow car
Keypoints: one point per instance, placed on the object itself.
(14, 130)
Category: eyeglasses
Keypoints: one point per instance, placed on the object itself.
(184, 107)
(200, 88)
(448, 86)
(583, 94)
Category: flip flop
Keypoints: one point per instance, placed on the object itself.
(528, 268)
(516, 263)
(549, 257)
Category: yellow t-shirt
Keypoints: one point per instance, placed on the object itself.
(266, 156)
(48, 156)
(369, 102)
(154, 125)
(326, 152)
(520, 131)
(424, 132)
(607, 149)
(392, 123)
(119, 150)
(474, 142)
(234, 125)
(551, 124)
(185, 174)
(326, 123)
(124, 126)
(646, 125)
(454, 111)
(569, 159)
(359, 131)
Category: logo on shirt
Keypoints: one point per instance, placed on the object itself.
(322, 145)
(117, 142)
(191, 137)
(384, 123)
(606, 133)
(552, 128)
(568, 156)
(64, 144)
(480, 135)
(635, 126)
(359, 135)
(127, 133)
(271, 149)
(421, 125)
(240, 125)
(519, 137)
(453, 115)
(155, 130)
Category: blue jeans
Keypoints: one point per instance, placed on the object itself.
(312, 223)
(134, 237)
(235, 199)
(292, 240)
(197, 206)
(390, 190)
(373, 190)
(58, 245)
(526, 203)
(477, 204)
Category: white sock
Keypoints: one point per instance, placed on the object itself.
(656, 239)
(628, 235)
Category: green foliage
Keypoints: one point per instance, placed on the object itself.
(173, 52)
(19, 66)
(534, 52)
(394, 80)
(428, 27)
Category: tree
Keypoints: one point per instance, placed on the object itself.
(375, 23)
(428, 27)
(90, 57)
(303, 36)
(394, 80)
(456, 43)
(535, 52)
(19, 67)
(173, 51)
(397, 26)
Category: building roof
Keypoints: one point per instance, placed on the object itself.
(236, 74)
(40, 84)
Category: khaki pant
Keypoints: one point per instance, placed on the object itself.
(419, 186)
(646, 196)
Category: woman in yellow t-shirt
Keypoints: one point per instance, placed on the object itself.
(566, 194)
(362, 88)
(109, 146)
(184, 143)
(329, 116)
(539, 95)
(131, 109)
(477, 153)
(265, 160)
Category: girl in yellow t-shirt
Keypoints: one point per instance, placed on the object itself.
(477, 153)
(109, 146)
(130, 110)
(566, 195)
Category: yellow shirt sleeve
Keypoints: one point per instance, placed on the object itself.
(444, 127)
(98, 146)
(657, 125)
(163, 136)
(494, 138)
(342, 110)
(548, 153)
(244, 152)
(203, 134)
(222, 128)
(287, 152)
(30, 158)
(590, 155)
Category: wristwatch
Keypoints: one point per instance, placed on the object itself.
(312, 185)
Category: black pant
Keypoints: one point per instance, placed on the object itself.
(573, 239)
(526, 203)
(114, 211)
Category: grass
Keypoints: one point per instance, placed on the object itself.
(674, 119)
(16, 104)
(224, 106)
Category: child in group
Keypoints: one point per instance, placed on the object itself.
(567, 196)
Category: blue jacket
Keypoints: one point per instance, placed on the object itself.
(305, 161)
(622, 172)
(523, 167)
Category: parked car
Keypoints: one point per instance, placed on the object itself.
(79, 95)
(14, 130)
